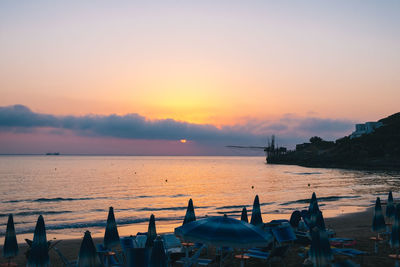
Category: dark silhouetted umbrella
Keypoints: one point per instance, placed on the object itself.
(320, 250)
(10, 248)
(244, 216)
(88, 256)
(111, 237)
(378, 223)
(190, 216)
(395, 235)
(313, 204)
(151, 232)
(256, 218)
(223, 231)
(390, 209)
(317, 220)
(158, 257)
(39, 254)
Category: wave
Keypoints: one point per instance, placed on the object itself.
(320, 199)
(170, 208)
(30, 213)
(56, 199)
(93, 224)
(304, 173)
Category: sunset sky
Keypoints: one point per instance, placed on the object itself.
(128, 77)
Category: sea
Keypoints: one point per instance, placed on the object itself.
(74, 193)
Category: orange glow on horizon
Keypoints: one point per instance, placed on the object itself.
(183, 141)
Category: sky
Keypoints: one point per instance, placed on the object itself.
(137, 77)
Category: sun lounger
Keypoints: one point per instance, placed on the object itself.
(128, 242)
(137, 257)
(141, 240)
(173, 247)
(346, 263)
(65, 261)
(348, 252)
(342, 242)
(284, 233)
(108, 257)
(277, 253)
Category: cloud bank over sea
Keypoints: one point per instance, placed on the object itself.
(289, 128)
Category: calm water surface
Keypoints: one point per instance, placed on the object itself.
(74, 192)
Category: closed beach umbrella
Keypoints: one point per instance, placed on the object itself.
(88, 256)
(39, 254)
(317, 219)
(111, 237)
(256, 218)
(320, 250)
(223, 231)
(244, 216)
(158, 257)
(151, 232)
(10, 248)
(378, 223)
(313, 204)
(190, 216)
(390, 209)
(395, 235)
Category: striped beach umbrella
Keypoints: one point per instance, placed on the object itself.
(256, 218)
(320, 250)
(244, 216)
(88, 256)
(190, 215)
(390, 209)
(111, 237)
(222, 231)
(10, 248)
(378, 222)
(39, 253)
(158, 257)
(151, 232)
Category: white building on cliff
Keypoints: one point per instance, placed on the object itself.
(365, 128)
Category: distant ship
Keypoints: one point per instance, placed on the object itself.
(52, 153)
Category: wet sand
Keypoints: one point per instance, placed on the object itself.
(355, 225)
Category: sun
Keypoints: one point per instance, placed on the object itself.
(183, 141)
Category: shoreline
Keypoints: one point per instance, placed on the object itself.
(367, 167)
(356, 225)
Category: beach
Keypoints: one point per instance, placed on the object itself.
(354, 225)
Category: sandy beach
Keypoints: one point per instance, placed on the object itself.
(355, 225)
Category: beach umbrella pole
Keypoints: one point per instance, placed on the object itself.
(376, 243)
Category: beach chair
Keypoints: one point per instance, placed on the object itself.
(284, 233)
(128, 242)
(109, 258)
(277, 253)
(137, 257)
(65, 261)
(173, 247)
(141, 240)
(346, 263)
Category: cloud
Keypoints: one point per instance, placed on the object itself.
(289, 129)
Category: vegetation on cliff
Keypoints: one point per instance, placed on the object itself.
(377, 150)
